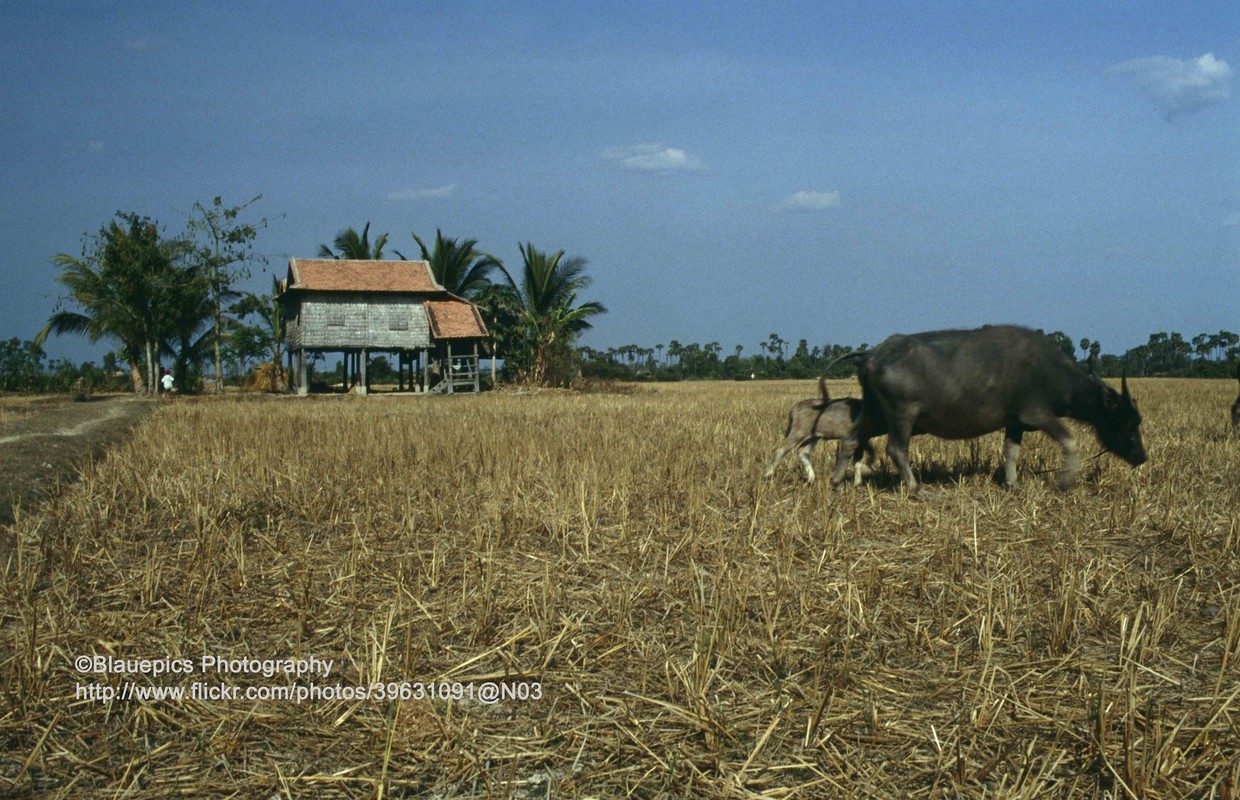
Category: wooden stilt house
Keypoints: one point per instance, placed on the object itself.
(363, 308)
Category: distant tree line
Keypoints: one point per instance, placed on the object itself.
(1165, 354)
(254, 333)
(24, 367)
(171, 301)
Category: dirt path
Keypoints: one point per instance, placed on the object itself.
(43, 444)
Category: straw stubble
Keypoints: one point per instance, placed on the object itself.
(693, 629)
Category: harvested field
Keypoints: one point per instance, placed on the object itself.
(690, 629)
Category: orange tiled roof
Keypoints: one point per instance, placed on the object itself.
(454, 319)
(330, 275)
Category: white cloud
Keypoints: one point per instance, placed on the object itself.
(813, 201)
(416, 194)
(1180, 86)
(77, 149)
(653, 158)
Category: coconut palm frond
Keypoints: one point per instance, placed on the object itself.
(351, 245)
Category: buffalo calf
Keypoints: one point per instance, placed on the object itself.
(810, 421)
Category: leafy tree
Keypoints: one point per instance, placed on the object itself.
(1165, 353)
(550, 316)
(352, 245)
(21, 365)
(126, 284)
(458, 266)
(380, 370)
(500, 306)
(1064, 342)
(269, 333)
(245, 344)
(190, 318)
(270, 313)
(225, 251)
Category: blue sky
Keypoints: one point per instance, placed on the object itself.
(833, 171)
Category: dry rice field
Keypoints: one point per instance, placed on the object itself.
(679, 626)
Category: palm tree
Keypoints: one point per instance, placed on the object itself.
(128, 289)
(674, 351)
(189, 332)
(351, 245)
(102, 315)
(551, 320)
(457, 265)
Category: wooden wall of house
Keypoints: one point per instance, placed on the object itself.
(352, 321)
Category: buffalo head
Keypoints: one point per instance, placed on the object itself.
(1119, 428)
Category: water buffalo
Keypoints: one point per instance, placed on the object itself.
(960, 384)
(822, 418)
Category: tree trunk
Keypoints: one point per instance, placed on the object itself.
(135, 375)
(219, 367)
(151, 385)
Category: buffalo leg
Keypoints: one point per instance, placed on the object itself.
(783, 450)
(863, 461)
(1071, 461)
(803, 455)
(1011, 452)
(844, 456)
(897, 448)
(790, 444)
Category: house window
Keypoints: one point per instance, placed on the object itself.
(335, 316)
(398, 319)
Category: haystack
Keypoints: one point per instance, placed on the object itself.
(266, 377)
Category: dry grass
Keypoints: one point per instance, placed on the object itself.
(697, 631)
(15, 407)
